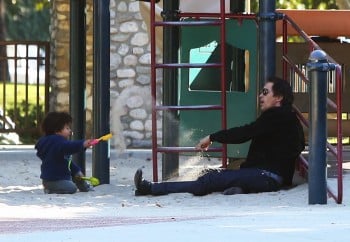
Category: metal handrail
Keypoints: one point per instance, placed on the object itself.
(338, 152)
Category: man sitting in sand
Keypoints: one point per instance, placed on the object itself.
(277, 139)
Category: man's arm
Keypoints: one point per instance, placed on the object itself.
(237, 135)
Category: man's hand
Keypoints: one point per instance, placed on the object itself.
(204, 144)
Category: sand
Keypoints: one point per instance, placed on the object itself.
(26, 212)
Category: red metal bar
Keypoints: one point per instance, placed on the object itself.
(284, 49)
(339, 196)
(187, 23)
(153, 92)
(339, 132)
(217, 15)
(185, 149)
(188, 65)
(223, 77)
(194, 107)
(304, 161)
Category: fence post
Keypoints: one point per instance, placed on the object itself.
(77, 79)
(170, 161)
(101, 102)
(318, 68)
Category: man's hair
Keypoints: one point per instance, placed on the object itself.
(282, 88)
(55, 122)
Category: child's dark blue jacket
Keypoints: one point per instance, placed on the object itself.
(55, 153)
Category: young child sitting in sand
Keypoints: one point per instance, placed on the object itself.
(59, 173)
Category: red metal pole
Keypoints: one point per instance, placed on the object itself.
(339, 133)
(223, 76)
(153, 92)
(285, 47)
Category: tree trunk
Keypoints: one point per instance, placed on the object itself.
(343, 4)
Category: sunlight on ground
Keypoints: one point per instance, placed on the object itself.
(40, 211)
(284, 230)
(10, 189)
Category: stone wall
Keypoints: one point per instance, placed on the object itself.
(129, 71)
(59, 70)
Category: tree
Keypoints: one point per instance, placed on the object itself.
(308, 4)
(305, 4)
(27, 19)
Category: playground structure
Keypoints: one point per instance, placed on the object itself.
(238, 49)
(213, 66)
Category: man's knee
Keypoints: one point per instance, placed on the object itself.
(266, 184)
(203, 181)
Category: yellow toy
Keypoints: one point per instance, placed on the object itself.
(102, 138)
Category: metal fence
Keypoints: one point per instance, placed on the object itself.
(24, 87)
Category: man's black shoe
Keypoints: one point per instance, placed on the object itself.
(143, 187)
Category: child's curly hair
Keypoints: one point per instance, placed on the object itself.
(55, 122)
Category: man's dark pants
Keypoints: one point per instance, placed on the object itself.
(251, 180)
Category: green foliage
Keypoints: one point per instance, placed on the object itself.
(298, 4)
(27, 119)
(20, 91)
(27, 19)
(307, 4)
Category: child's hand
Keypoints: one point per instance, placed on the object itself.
(88, 143)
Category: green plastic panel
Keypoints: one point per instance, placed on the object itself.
(200, 86)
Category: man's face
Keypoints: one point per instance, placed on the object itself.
(267, 98)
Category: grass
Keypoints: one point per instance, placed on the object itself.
(28, 113)
(9, 99)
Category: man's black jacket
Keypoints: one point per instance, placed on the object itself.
(277, 139)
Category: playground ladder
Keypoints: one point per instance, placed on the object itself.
(216, 20)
